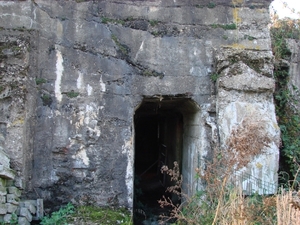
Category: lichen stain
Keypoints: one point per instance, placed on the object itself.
(59, 74)
(16, 122)
(241, 46)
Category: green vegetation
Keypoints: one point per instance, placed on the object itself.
(214, 77)
(225, 37)
(152, 73)
(47, 100)
(153, 22)
(211, 5)
(102, 215)
(59, 217)
(109, 20)
(250, 38)
(39, 81)
(71, 94)
(121, 47)
(231, 26)
(200, 6)
(288, 115)
(156, 33)
(13, 220)
(222, 201)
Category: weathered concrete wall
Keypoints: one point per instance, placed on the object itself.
(86, 68)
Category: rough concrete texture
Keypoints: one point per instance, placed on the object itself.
(245, 92)
(73, 74)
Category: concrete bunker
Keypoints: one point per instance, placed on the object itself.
(167, 129)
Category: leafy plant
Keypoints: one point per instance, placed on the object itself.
(39, 81)
(214, 77)
(59, 217)
(153, 22)
(72, 94)
(47, 100)
(211, 5)
(14, 219)
(121, 47)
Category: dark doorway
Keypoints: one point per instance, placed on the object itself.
(158, 142)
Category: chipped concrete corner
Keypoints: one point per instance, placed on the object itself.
(76, 77)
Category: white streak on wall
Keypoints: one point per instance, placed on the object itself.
(89, 90)
(127, 149)
(59, 74)
(102, 85)
(140, 50)
(79, 80)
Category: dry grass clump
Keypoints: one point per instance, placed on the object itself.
(224, 204)
(288, 208)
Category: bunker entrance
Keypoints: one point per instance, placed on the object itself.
(161, 126)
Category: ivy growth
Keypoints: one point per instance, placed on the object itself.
(287, 113)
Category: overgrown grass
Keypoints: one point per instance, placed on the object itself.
(97, 215)
(59, 217)
(222, 201)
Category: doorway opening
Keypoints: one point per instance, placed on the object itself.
(163, 128)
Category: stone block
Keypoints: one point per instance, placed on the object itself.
(23, 221)
(6, 172)
(39, 208)
(3, 209)
(2, 182)
(24, 212)
(2, 199)
(8, 217)
(19, 183)
(10, 183)
(14, 190)
(3, 191)
(30, 207)
(11, 208)
(1, 218)
(11, 198)
(4, 159)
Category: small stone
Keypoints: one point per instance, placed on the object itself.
(3, 209)
(2, 182)
(11, 208)
(11, 198)
(14, 190)
(24, 212)
(23, 221)
(3, 190)
(2, 198)
(29, 205)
